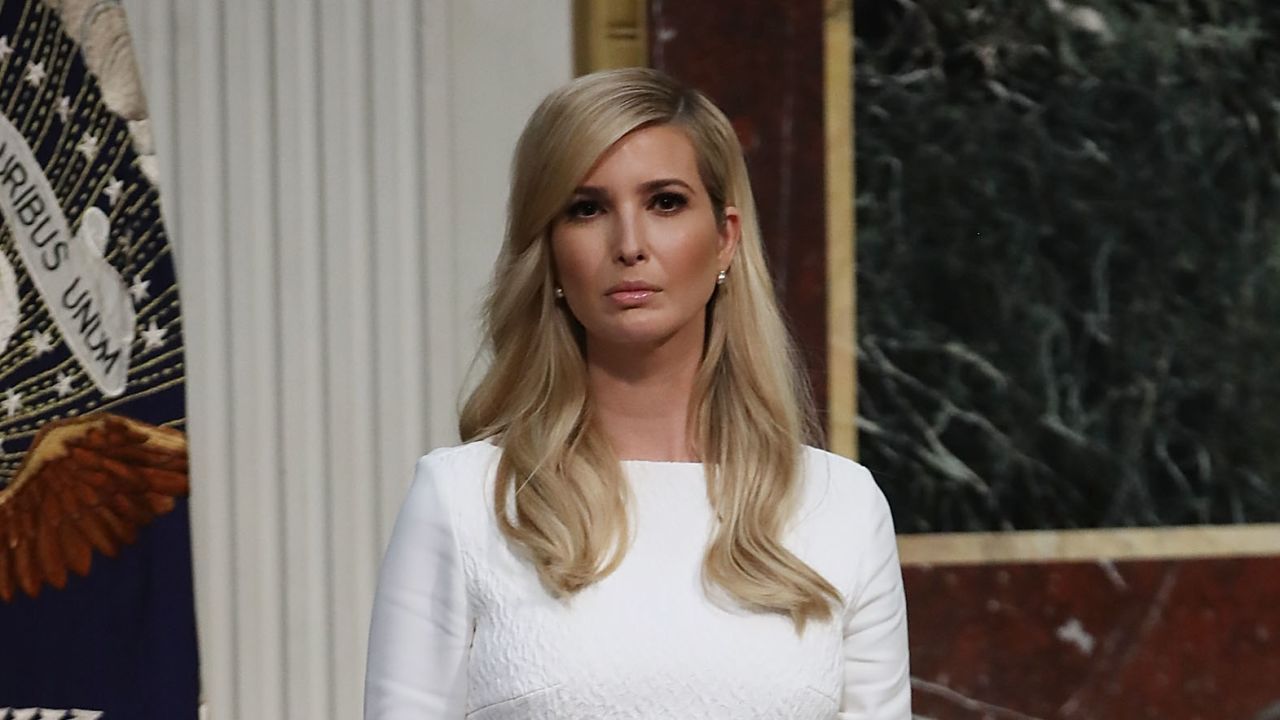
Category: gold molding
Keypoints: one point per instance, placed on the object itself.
(1171, 543)
(610, 34)
(842, 356)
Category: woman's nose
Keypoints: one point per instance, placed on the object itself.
(629, 239)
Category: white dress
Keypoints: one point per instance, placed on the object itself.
(462, 628)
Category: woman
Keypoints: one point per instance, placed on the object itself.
(634, 527)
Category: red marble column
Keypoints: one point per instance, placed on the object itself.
(761, 62)
(1137, 640)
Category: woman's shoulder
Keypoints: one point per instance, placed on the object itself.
(459, 470)
(836, 484)
(476, 455)
(826, 464)
(457, 477)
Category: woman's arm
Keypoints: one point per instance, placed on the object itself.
(421, 627)
(877, 683)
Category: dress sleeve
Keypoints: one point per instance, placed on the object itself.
(421, 628)
(877, 683)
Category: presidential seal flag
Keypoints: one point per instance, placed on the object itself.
(96, 610)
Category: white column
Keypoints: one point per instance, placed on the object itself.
(334, 183)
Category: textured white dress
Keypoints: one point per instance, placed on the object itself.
(463, 629)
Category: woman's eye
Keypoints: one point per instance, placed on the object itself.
(669, 201)
(583, 209)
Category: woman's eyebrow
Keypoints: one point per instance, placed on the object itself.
(660, 183)
(595, 192)
(590, 191)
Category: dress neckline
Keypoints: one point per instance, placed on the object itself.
(668, 463)
(632, 463)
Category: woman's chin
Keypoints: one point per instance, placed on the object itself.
(634, 332)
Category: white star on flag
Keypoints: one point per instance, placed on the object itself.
(139, 289)
(152, 336)
(5, 48)
(35, 73)
(88, 146)
(64, 108)
(12, 402)
(64, 384)
(114, 188)
(41, 343)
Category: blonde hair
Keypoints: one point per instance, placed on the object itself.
(560, 492)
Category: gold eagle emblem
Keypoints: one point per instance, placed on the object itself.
(86, 483)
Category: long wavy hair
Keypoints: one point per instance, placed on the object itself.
(560, 493)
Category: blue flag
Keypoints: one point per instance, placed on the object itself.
(96, 609)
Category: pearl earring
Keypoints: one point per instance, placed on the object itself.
(559, 292)
(721, 277)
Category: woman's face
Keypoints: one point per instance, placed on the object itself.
(637, 249)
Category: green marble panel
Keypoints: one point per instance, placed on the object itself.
(1069, 261)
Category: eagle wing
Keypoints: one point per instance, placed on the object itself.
(86, 483)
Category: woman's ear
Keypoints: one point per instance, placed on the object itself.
(730, 235)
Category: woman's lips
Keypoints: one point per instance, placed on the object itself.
(632, 298)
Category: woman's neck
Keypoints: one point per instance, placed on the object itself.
(640, 395)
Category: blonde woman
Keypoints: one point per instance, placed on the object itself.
(634, 527)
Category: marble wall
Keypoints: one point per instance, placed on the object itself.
(1068, 278)
(1069, 261)
(1067, 270)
